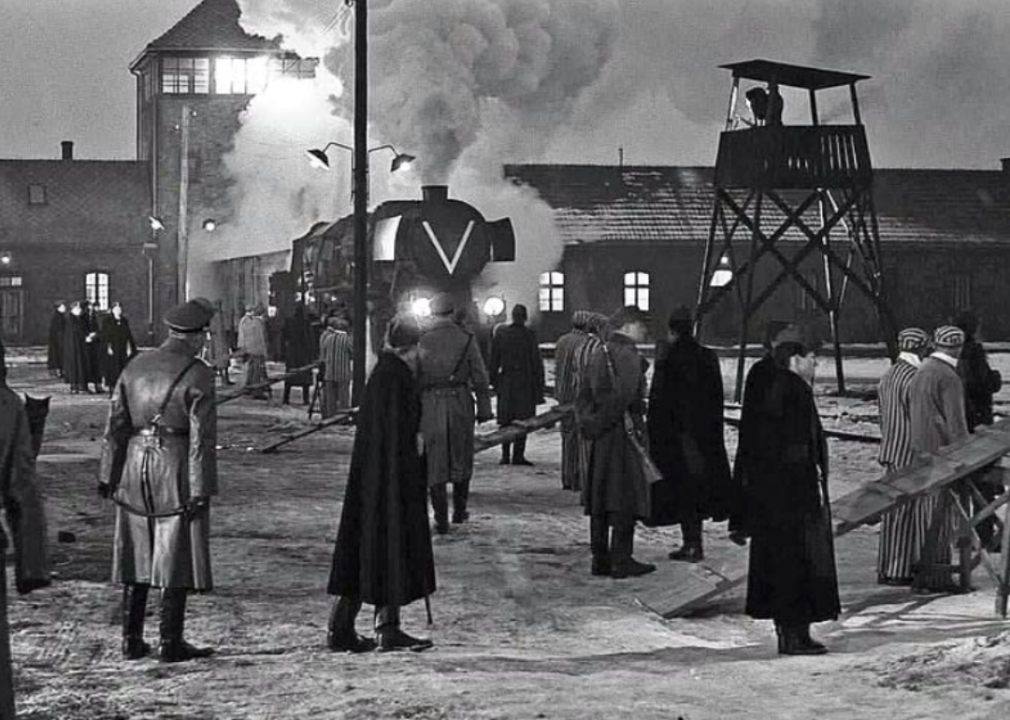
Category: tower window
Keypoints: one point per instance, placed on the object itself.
(37, 194)
(96, 289)
(636, 290)
(185, 75)
(552, 292)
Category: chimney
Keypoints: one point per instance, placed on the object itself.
(68, 149)
(435, 193)
(1005, 162)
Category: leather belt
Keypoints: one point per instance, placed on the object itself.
(161, 431)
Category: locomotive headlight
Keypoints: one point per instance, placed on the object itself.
(494, 306)
(421, 307)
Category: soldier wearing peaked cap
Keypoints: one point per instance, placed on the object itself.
(159, 467)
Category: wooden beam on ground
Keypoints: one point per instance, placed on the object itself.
(521, 428)
(245, 390)
(839, 434)
(344, 418)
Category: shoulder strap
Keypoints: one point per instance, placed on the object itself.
(171, 390)
(462, 357)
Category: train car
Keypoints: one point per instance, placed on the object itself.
(417, 248)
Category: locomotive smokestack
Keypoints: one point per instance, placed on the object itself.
(435, 193)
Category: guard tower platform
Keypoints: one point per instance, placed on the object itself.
(775, 182)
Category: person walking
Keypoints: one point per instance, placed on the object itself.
(452, 373)
(159, 467)
(252, 343)
(903, 529)
(612, 397)
(517, 375)
(25, 514)
(566, 389)
(936, 405)
(782, 464)
(383, 554)
(57, 328)
(685, 423)
(336, 355)
(117, 339)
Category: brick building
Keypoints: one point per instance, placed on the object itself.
(637, 235)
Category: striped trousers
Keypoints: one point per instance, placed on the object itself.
(902, 536)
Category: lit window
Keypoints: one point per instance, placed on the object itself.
(185, 75)
(96, 289)
(37, 195)
(240, 76)
(292, 67)
(10, 281)
(552, 292)
(636, 290)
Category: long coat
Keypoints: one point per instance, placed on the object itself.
(57, 327)
(75, 353)
(299, 347)
(781, 460)
(119, 347)
(686, 440)
(218, 347)
(936, 398)
(149, 478)
(566, 389)
(516, 372)
(383, 553)
(452, 373)
(94, 347)
(600, 411)
(893, 399)
(981, 382)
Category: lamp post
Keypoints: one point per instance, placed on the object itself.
(150, 248)
(359, 194)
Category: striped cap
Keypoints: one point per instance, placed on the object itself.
(913, 339)
(597, 322)
(948, 336)
(580, 319)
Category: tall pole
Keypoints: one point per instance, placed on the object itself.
(183, 230)
(360, 172)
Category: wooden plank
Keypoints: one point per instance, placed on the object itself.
(235, 395)
(678, 588)
(521, 428)
(343, 418)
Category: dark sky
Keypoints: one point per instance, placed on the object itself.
(938, 97)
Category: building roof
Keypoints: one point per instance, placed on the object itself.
(105, 201)
(662, 204)
(211, 25)
(792, 75)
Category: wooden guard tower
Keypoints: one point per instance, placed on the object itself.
(814, 182)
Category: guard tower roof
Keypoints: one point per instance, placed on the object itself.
(792, 75)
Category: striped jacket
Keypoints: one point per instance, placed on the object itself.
(895, 415)
(335, 354)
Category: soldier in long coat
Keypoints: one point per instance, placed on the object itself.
(75, 355)
(218, 350)
(117, 339)
(566, 389)
(93, 345)
(299, 345)
(936, 401)
(159, 466)
(613, 393)
(782, 464)
(57, 327)
(383, 554)
(902, 530)
(452, 373)
(22, 504)
(686, 440)
(517, 375)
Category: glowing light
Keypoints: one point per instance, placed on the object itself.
(6, 259)
(494, 306)
(421, 307)
(723, 275)
(256, 74)
(156, 223)
(209, 225)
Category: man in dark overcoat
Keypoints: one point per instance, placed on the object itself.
(612, 396)
(782, 464)
(159, 466)
(452, 374)
(117, 339)
(299, 350)
(936, 403)
(93, 346)
(75, 352)
(517, 375)
(24, 511)
(566, 389)
(383, 554)
(57, 327)
(686, 440)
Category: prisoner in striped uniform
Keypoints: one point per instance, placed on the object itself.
(903, 529)
(566, 389)
(936, 403)
(335, 356)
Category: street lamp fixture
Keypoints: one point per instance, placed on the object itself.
(6, 259)
(319, 160)
(156, 222)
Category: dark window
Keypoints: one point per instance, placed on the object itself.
(37, 194)
(962, 291)
(805, 302)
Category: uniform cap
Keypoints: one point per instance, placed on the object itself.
(948, 336)
(190, 317)
(442, 304)
(913, 339)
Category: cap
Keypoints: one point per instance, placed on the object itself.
(798, 334)
(190, 317)
(580, 319)
(913, 339)
(948, 336)
(680, 314)
(442, 304)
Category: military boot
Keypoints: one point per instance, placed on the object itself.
(134, 607)
(519, 453)
(389, 636)
(173, 618)
(506, 453)
(460, 496)
(341, 635)
(440, 504)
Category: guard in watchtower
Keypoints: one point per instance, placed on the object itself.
(452, 373)
(159, 467)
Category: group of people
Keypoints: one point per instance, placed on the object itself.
(87, 347)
